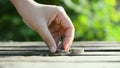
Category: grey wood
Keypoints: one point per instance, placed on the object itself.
(44, 47)
(58, 65)
(46, 53)
(36, 48)
(28, 55)
(60, 62)
(61, 59)
(82, 43)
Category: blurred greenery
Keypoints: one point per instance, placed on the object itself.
(94, 20)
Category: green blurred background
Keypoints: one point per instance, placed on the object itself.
(94, 20)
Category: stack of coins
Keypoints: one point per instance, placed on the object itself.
(76, 52)
(61, 53)
(72, 52)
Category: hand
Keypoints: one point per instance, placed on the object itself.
(49, 21)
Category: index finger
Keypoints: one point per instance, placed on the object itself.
(69, 29)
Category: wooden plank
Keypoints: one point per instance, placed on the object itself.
(58, 65)
(22, 44)
(86, 43)
(44, 47)
(28, 48)
(28, 55)
(50, 62)
(96, 44)
(22, 48)
(61, 59)
(47, 53)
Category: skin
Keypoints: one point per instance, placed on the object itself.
(49, 21)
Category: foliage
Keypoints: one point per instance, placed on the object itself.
(96, 19)
(12, 26)
(93, 20)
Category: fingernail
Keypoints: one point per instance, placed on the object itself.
(52, 49)
(65, 47)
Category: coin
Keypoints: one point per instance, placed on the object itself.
(72, 52)
(61, 53)
(75, 52)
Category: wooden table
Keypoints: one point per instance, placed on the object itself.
(28, 54)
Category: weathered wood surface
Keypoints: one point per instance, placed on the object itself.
(57, 59)
(28, 54)
(36, 48)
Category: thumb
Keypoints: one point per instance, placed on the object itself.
(44, 32)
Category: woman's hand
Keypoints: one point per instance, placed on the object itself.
(49, 21)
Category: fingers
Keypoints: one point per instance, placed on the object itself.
(54, 29)
(56, 38)
(41, 28)
(68, 38)
(69, 29)
(46, 36)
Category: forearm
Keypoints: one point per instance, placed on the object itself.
(25, 3)
(24, 6)
(21, 1)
